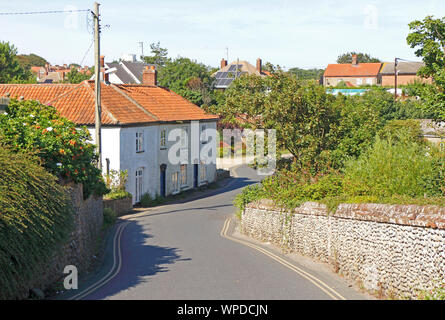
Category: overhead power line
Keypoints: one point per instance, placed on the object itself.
(43, 12)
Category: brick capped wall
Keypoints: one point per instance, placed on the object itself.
(395, 250)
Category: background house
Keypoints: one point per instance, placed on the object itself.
(406, 73)
(136, 120)
(127, 71)
(229, 72)
(55, 74)
(353, 74)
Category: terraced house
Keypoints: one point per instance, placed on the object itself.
(137, 125)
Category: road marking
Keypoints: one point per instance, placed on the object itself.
(317, 282)
(117, 261)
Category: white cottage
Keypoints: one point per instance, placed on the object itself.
(153, 133)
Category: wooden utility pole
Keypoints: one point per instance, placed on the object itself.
(97, 68)
(395, 78)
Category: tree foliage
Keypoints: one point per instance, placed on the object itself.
(187, 78)
(31, 60)
(428, 36)
(361, 58)
(159, 55)
(301, 112)
(307, 74)
(74, 76)
(35, 218)
(62, 148)
(10, 69)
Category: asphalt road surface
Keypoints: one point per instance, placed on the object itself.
(180, 251)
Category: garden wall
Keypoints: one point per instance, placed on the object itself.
(119, 206)
(393, 250)
(82, 245)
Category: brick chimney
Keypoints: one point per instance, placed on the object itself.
(149, 76)
(259, 65)
(354, 60)
(104, 76)
(223, 63)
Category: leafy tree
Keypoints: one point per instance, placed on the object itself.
(301, 112)
(307, 74)
(159, 57)
(361, 117)
(31, 60)
(63, 149)
(74, 76)
(361, 58)
(187, 78)
(428, 36)
(10, 69)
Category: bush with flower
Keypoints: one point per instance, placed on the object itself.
(62, 148)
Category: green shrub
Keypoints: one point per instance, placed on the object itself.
(402, 131)
(63, 149)
(398, 168)
(109, 216)
(115, 195)
(248, 195)
(116, 182)
(148, 201)
(35, 218)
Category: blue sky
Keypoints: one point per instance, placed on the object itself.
(291, 33)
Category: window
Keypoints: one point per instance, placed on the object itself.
(138, 189)
(183, 174)
(139, 142)
(203, 172)
(203, 134)
(359, 81)
(163, 142)
(175, 182)
(369, 81)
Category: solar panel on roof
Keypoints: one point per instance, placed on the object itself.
(232, 68)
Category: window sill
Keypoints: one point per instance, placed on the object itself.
(163, 148)
(140, 151)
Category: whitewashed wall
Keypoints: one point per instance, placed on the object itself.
(119, 145)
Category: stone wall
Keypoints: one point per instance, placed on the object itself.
(119, 206)
(81, 247)
(392, 250)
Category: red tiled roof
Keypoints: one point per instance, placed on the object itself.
(350, 70)
(121, 104)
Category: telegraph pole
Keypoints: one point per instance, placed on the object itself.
(395, 78)
(97, 85)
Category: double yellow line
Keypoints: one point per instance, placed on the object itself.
(314, 280)
(117, 264)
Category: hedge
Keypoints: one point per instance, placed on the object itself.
(35, 218)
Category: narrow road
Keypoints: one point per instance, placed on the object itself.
(178, 252)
